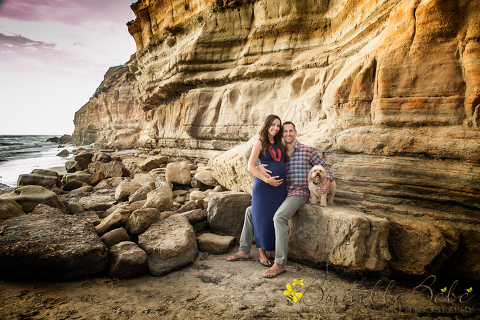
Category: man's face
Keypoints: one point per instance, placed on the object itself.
(289, 133)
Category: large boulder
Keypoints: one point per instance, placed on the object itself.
(226, 212)
(178, 173)
(342, 236)
(9, 208)
(114, 236)
(28, 197)
(170, 244)
(127, 260)
(50, 246)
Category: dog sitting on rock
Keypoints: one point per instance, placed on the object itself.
(317, 178)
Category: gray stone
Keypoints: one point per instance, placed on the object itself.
(170, 244)
(226, 212)
(98, 201)
(189, 206)
(50, 246)
(127, 261)
(43, 208)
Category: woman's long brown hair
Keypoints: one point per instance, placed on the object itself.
(277, 139)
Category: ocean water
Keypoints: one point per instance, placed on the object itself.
(20, 154)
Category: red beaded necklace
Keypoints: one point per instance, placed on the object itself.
(274, 155)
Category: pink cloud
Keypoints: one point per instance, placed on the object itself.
(66, 11)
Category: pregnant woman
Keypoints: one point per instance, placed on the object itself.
(267, 193)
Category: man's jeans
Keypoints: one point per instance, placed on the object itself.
(280, 221)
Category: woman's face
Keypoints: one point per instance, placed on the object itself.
(274, 128)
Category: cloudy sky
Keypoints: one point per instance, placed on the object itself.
(53, 55)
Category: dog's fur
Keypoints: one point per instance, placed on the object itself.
(317, 177)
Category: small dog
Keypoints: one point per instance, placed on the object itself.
(317, 177)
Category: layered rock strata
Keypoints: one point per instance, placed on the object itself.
(387, 91)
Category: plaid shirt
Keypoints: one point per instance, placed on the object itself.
(301, 161)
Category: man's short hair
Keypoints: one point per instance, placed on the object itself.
(290, 122)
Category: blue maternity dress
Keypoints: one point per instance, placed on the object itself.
(266, 199)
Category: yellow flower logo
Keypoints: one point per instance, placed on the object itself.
(470, 290)
(298, 282)
(291, 294)
(444, 289)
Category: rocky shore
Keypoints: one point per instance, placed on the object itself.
(161, 228)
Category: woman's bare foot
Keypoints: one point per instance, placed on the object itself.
(240, 255)
(274, 271)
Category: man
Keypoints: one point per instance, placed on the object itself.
(301, 159)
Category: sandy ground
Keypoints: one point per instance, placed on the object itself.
(213, 288)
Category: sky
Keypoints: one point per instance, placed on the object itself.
(53, 56)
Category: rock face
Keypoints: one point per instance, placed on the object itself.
(50, 246)
(113, 114)
(389, 83)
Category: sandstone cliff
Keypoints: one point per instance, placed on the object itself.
(388, 91)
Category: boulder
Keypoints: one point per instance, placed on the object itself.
(115, 220)
(98, 201)
(96, 178)
(214, 243)
(83, 160)
(28, 197)
(72, 185)
(101, 156)
(125, 189)
(145, 179)
(206, 177)
(36, 179)
(65, 139)
(170, 244)
(195, 216)
(414, 245)
(200, 195)
(226, 212)
(178, 173)
(127, 260)
(50, 246)
(191, 205)
(63, 153)
(114, 236)
(110, 169)
(341, 236)
(74, 206)
(43, 209)
(159, 199)
(141, 219)
(152, 162)
(9, 208)
(140, 194)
